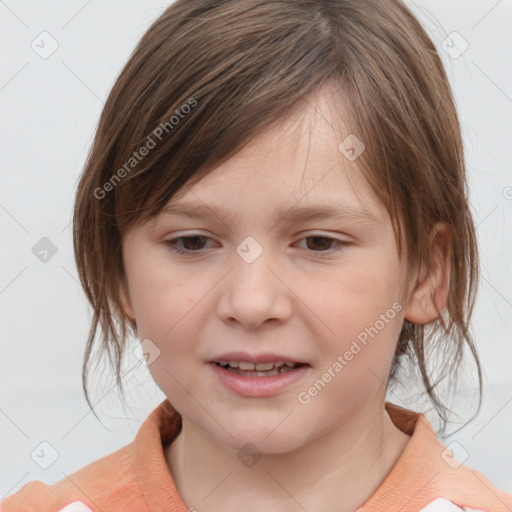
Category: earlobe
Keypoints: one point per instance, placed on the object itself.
(429, 298)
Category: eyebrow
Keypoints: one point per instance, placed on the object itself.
(298, 214)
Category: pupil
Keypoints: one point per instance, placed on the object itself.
(326, 244)
(186, 242)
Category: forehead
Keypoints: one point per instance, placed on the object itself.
(298, 167)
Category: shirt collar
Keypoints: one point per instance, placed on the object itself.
(155, 481)
(426, 470)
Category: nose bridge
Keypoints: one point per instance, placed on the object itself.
(251, 262)
(254, 293)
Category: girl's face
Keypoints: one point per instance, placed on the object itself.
(322, 290)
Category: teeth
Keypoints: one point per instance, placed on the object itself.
(264, 366)
(244, 365)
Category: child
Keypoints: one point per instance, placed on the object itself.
(240, 135)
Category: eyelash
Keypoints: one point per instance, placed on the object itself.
(172, 244)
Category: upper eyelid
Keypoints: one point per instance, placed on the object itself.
(302, 236)
(338, 241)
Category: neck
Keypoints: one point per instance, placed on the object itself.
(337, 471)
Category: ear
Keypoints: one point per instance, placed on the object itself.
(433, 284)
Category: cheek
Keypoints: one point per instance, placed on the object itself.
(170, 309)
(357, 294)
(159, 299)
(360, 310)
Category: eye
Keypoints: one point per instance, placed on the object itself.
(191, 243)
(322, 243)
(195, 243)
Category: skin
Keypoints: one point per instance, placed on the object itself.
(293, 299)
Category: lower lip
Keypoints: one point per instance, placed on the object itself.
(258, 386)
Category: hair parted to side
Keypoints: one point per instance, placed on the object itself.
(209, 75)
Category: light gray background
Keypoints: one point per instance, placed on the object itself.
(49, 110)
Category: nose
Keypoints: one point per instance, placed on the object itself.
(255, 292)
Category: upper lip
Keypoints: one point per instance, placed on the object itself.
(255, 358)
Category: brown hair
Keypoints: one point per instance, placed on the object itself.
(208, 76)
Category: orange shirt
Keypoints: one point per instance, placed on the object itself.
(136, 478)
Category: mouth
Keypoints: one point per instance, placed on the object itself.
(260, 375)
(248, 369)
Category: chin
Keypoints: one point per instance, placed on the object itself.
(262, 439)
